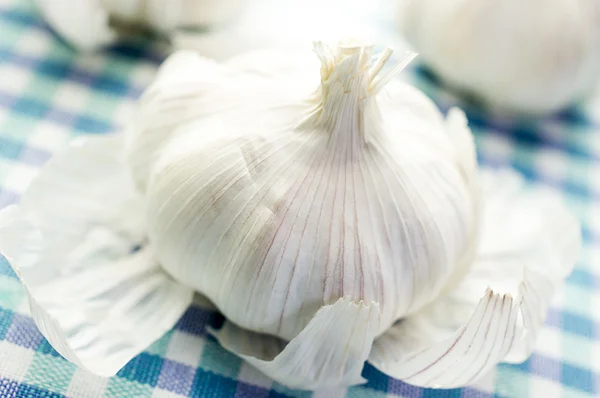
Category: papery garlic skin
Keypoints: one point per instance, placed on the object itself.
(72, 241)
(295, 202)
(526, 57)
(86, 24)
(315, 201)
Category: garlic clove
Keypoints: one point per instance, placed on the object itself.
(528, 246)
(329, 352)
(76, 242)
(82, 23)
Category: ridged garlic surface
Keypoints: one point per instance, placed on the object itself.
(86, 24)
(329, 211)
(317, 198)
(530, 56)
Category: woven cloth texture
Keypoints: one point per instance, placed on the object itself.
(50, 94)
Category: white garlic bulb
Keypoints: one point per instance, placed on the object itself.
(86, 23)
(316, 201)
(525, 56)
(320, 170)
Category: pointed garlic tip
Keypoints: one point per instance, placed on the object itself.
(350, 60)
(350, 76)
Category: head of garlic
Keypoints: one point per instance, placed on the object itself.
(530, 57)
(86, 24)
(324, 183)
(328, 210)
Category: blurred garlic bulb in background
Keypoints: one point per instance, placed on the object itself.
(87, 24)
(532, 56)
(331, 213)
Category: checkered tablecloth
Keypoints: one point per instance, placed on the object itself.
(49, 94)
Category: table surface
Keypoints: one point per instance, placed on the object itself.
(50, 94)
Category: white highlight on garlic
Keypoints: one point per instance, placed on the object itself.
(86, 24)
(527, 56)
(329, 211)
(293, 24)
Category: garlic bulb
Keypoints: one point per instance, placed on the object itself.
(86, 24)
(329, 211)
(532, 56)
(302, 171)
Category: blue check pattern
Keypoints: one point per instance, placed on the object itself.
(49, 94)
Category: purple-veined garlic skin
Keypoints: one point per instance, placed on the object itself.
(86, 24)
(331, 212)
(527, 57)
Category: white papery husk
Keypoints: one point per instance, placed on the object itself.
(77, 242)
(86, 24)
(329, 227)
(524, 56)
(311, 190)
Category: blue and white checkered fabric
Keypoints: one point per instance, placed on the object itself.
(49, 94)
